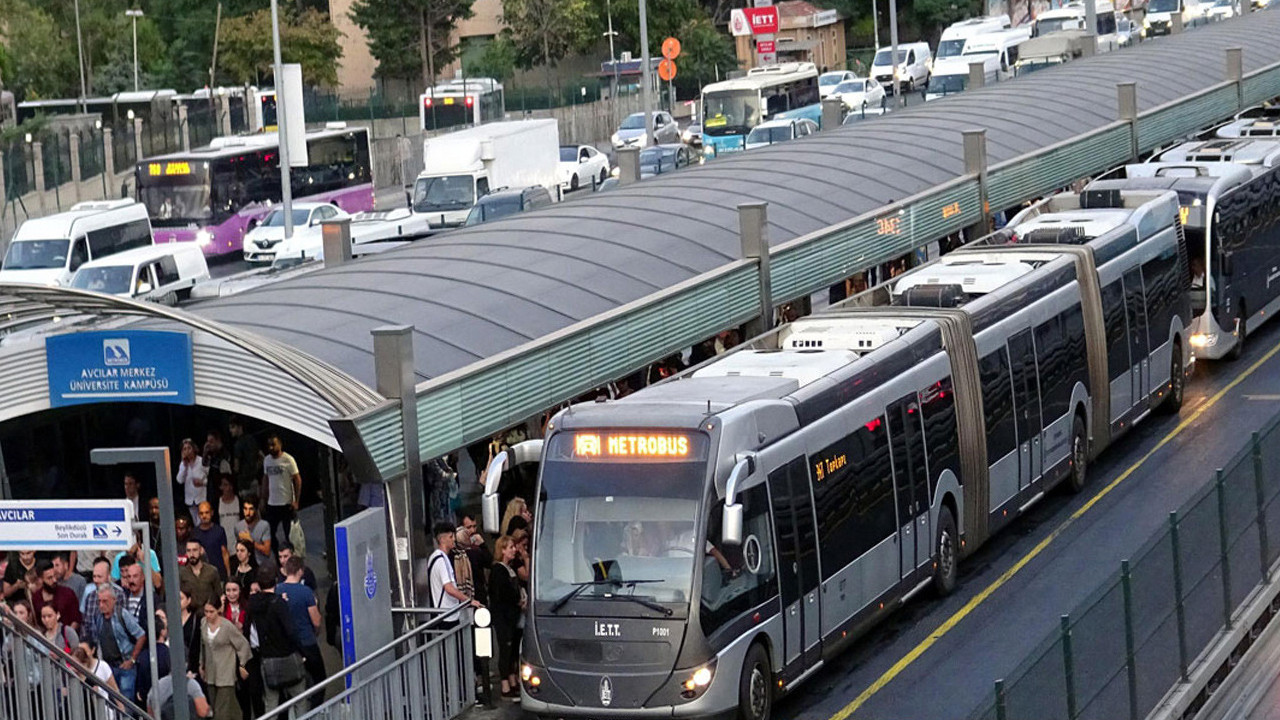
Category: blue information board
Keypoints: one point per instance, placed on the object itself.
(132, 366)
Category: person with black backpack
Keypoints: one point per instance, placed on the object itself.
(283, 673)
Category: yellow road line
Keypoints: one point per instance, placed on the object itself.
(977, 600)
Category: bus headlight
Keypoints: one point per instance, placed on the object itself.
(1200, 340)
(204, 237)
(699, 680)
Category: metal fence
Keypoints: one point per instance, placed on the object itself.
(38, 681)
(426, 674)
(1124, 647)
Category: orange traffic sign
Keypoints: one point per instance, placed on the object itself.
(667, 70)
(671, 48)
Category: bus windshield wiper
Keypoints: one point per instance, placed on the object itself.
(642, 601)
(579, 587)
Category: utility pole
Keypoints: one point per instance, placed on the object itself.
(893, 51)
(84, 93)
(875, 25)
(213, 66)
(647, 74)
(134, 14)
(282, 129)
(613, 61)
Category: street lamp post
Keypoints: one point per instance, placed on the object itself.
(646, 74)
(134, 14)
(158, 457)
(613, 61)
(80, 52)
(282, 124)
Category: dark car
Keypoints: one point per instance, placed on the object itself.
(663, 159)
(507, 202)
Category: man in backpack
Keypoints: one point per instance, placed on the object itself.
(442, 582)
(120, 642)
(161, 699)
(283, 672)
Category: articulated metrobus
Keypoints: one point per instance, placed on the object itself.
(731, 108)
(707, 543)
(215, 194)
(1229, 190)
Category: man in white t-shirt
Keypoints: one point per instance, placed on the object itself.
(441, 581)
(281, 488)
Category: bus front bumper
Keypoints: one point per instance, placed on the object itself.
(1208, 340)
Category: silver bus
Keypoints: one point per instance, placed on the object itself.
(703, 546)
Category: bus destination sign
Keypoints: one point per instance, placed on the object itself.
(630, 445)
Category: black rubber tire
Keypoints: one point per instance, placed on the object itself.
(604, 175)
(1237, 351)
(1172, 402)
(755, 686)
(1078, 470)
(573, 184)
(947, 554)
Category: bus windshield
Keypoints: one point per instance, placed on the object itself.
(619, 519)
(730, 112)
(36, 254)
(113, 280)
(445, 192)
(180, 194)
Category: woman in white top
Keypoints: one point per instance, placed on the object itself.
(191, 476)
(87, 655)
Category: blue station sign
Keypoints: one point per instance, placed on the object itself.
(133, 366)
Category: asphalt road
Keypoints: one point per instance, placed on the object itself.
(888, 675)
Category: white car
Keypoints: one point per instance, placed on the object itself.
(777, 131)
(828, 81)
(264, 242)
(582, 165)
(859, 94)
(1223, 10)
(631, 132)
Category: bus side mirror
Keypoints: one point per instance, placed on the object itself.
(731, 520)
(489, 505)
(731, 525)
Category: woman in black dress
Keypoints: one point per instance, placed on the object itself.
(506, 604)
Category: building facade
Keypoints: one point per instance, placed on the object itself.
(806, 33)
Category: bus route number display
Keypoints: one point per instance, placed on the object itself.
(630, 445)
(156, 169)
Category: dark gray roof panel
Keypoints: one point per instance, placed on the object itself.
(478, 291)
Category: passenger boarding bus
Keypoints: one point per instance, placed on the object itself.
(703, 545)
(474, 101)
(215, 194)
(731, 108)
(1229, 192)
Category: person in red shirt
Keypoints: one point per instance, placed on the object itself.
(62, 598)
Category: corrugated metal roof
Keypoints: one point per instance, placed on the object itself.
(475, 292)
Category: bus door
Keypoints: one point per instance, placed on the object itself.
(797, 557)
(1135, 306)
(911, 483)
(1026, 399)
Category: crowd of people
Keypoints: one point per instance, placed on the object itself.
(249, 612)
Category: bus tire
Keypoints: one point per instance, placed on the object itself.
(1078, 469)
(1242, 321)
(1177, 382)
(947, 558)
(755, 688)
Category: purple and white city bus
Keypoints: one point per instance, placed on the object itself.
(215, 194)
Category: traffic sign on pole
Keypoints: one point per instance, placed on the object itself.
(671, 48)
(667, 70)
(66, 524)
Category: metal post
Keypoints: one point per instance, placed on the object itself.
(74, 139)
(1002, 703)
(1127, 104)
(753, 220)
(282, 131)
(1264, 547)
(184, 129)
(37, 169)
(893, 52)
(394, 368)
(1224, 547)
(832, 112)
(628, 165)
(1126, 586)
(84, 92)
(134, 15)
(149, 596)
(646, 74)
(108, 153)
(336, 238)
(1068, 664)
(1091, 20)
(137, 138)
(1177, 593)
(1235, 71)
(975, 163)
(875, 26)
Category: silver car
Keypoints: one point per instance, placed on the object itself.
(631, 131)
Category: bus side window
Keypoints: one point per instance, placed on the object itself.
(1051, 355)
(752, 579)
(1116, 331)
(939, 415)
(997, 403)
(853, 495)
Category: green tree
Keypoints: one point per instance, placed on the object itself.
(41, 58)
(705, 55)
(410, 38)
(545, 31)
(308, 39)
(497, 60)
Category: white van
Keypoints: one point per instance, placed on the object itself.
(915, 63)
(49, 250)
(951, 43)
(161, 273)
(1159, 17)
(1072, 17)
(997, 51)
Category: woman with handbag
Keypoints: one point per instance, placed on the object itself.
(225, 655)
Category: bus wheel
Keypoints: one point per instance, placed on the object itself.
(1077, 472)
(948, 555)
(1177, 383)
(1237, 351)
(755, 690)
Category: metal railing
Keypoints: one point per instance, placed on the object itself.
(39, 681)
(1147, 627)
(425, 674)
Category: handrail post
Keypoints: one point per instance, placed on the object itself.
(1264, 548)
(753, 229)
(975, 163)
(1224, 548)
(1126, 586)
(1177, 593)
(1127, 105)
(1068, 665)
